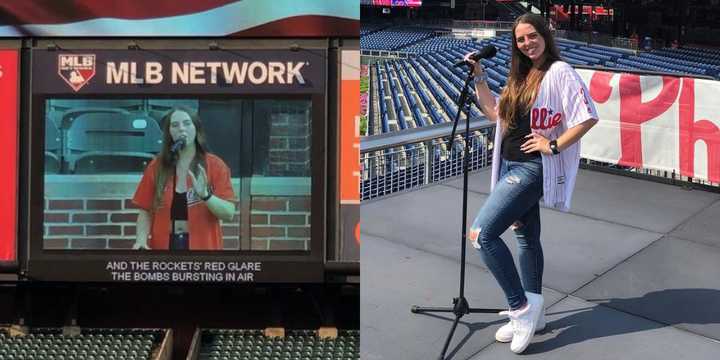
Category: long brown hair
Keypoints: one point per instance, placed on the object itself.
(521, 89)
(167, 160)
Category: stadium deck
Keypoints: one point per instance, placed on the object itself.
(631, 272)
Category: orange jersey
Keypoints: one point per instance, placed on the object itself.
(204, 227)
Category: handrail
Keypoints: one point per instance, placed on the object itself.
(586, 37)
(481, 24)
(425, 133)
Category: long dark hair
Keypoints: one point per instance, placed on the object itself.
(168, 160)
(521, 89)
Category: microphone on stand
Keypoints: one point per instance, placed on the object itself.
(484, 53)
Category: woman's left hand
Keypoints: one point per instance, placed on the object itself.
(536, 142)
(199, 182)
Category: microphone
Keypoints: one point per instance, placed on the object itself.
(484, 53)
(178, 145)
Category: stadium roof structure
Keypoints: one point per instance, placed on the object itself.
(631, 272)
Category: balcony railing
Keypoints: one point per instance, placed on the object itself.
(413, 158)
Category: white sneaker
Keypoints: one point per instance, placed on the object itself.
(505, 332)
(524, 322)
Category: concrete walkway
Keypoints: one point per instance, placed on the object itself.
(631, 272)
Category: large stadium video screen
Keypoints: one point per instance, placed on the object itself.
(407, 3)
(189, 173)
(177, 165)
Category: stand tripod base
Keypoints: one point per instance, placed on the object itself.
(415, 309)
(460, 305)
(460, 308)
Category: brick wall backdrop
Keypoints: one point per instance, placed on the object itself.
(89, 223)
(277, 223)
(280, 223)
(290, 140)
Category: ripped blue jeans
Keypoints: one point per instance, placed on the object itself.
(515, 197)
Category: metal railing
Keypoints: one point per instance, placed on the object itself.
(599, 39)
(481, 24)
(662, 176)
(390, 164)
(410, 159)
(444, 23)
(374, 55)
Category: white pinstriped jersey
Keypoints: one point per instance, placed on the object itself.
(562, 102)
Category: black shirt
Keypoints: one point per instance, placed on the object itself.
(514, 138)
(179, 211)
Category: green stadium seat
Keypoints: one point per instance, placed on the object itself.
(223, 344)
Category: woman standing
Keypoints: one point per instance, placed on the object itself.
(184, 191)
(542, 113)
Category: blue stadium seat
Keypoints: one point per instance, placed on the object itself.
(418, 117)
(114, 141)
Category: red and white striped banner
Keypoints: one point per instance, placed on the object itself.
(233, 18)
(655, 122)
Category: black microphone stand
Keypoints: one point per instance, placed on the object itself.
(460, 305)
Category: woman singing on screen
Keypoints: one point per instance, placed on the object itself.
(184, 192)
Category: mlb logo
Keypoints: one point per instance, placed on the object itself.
(76, 69)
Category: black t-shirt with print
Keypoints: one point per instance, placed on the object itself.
(515, 137)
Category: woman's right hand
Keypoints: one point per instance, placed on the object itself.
(478, 68)
(141, 245)
(486, 100)
(142, 230)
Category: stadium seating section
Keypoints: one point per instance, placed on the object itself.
(221, 344)
(394, 39)
(50, 343)
(112, 136)
(422, 89)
